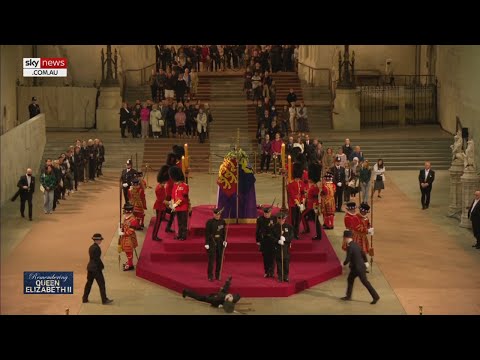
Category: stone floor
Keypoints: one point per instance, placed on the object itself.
(422, 257)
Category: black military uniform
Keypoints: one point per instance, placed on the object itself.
(338, 177)
(33, 108)
(357, 259)
(126, 178)
(94, 268)
(216, 299)
(283, 235)
(214, 243)
(265, 238)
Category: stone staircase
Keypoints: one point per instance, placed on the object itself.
(317, 100)
(117, 150)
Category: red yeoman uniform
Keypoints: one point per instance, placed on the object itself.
(127, 241)
(328, 202)
(136, 197)
(360, 226)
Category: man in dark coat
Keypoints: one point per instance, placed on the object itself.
(265, 240)
(94, 268)
(220, 299)
(339, 179)
(215, 243)
(474, 216)
(34, 108)
(26, 188)
(283, 234)
(426, 178)
(126, 178)
(358, 267)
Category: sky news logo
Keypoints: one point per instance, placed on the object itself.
(45, 67)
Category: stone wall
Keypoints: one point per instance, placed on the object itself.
(21, 148)
(67, 107)
(458, 74)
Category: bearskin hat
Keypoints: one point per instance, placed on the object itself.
(301, 158)
(295, 152)
(162, 175)
(179, 151)
(314, 172)
(176, 174)
(297, 170)
(171, 159)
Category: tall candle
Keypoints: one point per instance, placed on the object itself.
(283, 156)
(289, 169)
(183, 164)
(186, 156)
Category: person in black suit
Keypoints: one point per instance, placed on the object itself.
(221, 298)
(34, 108)
(125, 116)
(26, 188)
(94, 268)
(358, 267)
(426, 178)
(339, 179)
(474, 216)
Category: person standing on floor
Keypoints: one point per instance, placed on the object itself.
(126, 178)
(127, 240)
(474, 216)
(215, 243)
(161, 203)
(26, 188)
(265, 240)
(180, 200)
(379, 173)
(426, 179)
(95, 271)
(283, 234)
(357, 260)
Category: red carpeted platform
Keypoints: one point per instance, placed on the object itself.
(183, 264)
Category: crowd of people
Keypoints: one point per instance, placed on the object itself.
(81, 162)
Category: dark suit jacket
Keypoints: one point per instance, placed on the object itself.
(430, 179)
(474, 215)
(356, 258)
(217, 299)
(338, 175)
(95, 264)
(24, 182)
(124, 116)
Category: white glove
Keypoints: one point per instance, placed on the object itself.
(120, 232)
(173, 206)
(367, 265)
(370, 231)
(281, 242)
(207, 246)
(282, 238)
(125, 185)
(258, 243)
(339, 184)
(224, 244)
(302, 208)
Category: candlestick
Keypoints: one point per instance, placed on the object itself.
(183, 165)
(289, 169)
(186, 156)
(283, 156)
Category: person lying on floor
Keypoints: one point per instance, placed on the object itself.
(220, 299)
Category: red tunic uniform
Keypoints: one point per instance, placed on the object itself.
(169, 189)
(137, 198)
(312, 196)
(128, 241)
(360, 226)
(180, 196)
(348, 220)
(161, 195)
(295, 191)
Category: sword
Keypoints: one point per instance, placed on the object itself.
(223, 249)
(136, 253)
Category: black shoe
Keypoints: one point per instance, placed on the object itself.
(374, 301)
(345, 298)
(106, 302)
(22, 215)
(84, 301)
(184, 294)
(30, 219)
(168, 230)
(316, 238)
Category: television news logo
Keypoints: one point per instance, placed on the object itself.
(45, 67)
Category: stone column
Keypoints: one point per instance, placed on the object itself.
(108, 111)
(456, 171)
(470, 183)
(346, 113)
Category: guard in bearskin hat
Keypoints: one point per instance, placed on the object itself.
(127, 241)
(171, 161)
(161, 201)
(311, 202)
(296, 197)
(180, 200)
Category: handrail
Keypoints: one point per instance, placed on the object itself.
(331, 84)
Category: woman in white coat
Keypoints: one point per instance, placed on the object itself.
(201, 125)
(156, 121)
